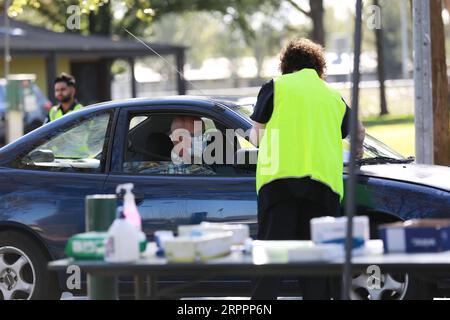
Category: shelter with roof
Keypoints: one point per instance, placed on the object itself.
(89, 58)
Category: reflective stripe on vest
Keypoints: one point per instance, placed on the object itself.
(303, 137)
(56, 112)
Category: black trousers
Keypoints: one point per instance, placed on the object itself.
(289, 219)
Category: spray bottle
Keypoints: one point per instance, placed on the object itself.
(122, 242)
(130, 209)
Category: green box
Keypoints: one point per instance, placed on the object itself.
(86, 246)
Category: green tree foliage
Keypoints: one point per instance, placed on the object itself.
(100, 16)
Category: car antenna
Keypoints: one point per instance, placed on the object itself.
(165, 60)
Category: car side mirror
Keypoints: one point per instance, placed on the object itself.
(41, 156)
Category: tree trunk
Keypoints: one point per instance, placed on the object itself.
(441, 116)
(100, 21)
(317, 13)
(380, 67)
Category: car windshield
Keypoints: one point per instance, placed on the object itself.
(245, 110)
(373, 148)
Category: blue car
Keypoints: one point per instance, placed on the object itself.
(46, 175)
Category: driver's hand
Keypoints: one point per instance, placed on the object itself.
(359, 152)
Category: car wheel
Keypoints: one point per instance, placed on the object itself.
(392, 287)
(23, 269)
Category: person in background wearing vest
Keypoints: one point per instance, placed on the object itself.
(299, 124)
(65, 95)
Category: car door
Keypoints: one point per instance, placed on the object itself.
(45, 186)
(166, 200)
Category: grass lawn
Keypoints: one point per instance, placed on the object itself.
(395, 131)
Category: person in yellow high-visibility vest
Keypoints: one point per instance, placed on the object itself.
(65, 95)
(299, 124)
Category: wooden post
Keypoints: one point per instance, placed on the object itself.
(51, 74)
(441, 117)
(423, 82)
(181, 82)
(133, 78)
(105, 78)
(380, 66)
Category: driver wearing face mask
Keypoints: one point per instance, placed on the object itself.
(189, 143)
(187, 137)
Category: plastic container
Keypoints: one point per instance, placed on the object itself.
(123, 241)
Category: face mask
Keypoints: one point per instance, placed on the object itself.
(194, 153)
(198, 146)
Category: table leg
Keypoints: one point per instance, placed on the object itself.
(139, 287)
(151, 287)
(102, 288)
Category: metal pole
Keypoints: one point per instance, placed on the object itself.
(181, 81)
(350, 204)
(131, 63)
(405, 40)
(423, 82)
(7, 42)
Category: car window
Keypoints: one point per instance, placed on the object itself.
(135, 121)
(152, 147)
(77, 148)
(149, 148)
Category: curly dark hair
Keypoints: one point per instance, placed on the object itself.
(300, 54)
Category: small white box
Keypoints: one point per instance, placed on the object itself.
(213, 246)
(198, 248)
(326, 230)
(181, 249)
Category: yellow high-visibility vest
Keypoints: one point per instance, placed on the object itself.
(303, 137)
(56, 112)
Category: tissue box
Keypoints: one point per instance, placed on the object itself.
(198, 248)
(412, 236)
(328, 230)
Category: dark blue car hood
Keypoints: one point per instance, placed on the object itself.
(428, 175)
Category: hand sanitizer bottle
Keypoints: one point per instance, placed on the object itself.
(122, 242)
(130, 209)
